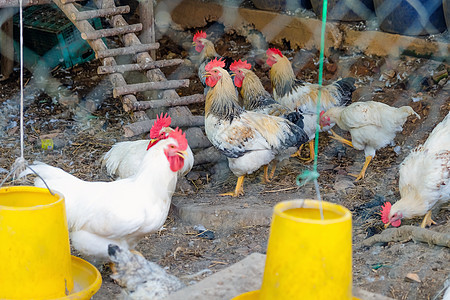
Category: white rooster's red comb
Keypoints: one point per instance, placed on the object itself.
(161, 122)
(215, 63)
(180, 137)
(385, 210)
(272, 51)
(239, 64)
(199, 35)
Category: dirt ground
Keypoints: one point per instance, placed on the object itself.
(84, 131)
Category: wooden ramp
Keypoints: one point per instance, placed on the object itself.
(142, 62)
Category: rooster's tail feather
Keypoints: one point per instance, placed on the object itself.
(298, 137)
(346, 89)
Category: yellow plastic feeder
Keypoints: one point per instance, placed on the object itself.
(307, 257)
(35, 250)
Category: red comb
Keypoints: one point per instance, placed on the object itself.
(239, 64)
(273, 51)
(199, 35)
(161, 122)
(180, 137)
(215, 63)
(385, 209)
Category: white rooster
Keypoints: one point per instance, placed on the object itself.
(123, 211)
(124, 159)
(424, 179)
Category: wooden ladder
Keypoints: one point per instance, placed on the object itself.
(181, 115)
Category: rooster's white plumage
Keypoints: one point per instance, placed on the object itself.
(123, 211)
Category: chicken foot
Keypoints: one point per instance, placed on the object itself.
(339, 138)
(311, 152)
(239, 190)
(363, 171)
(272, 172)
(427, 221)
(266, 178)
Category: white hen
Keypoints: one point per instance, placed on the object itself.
(124, 159)
(424, 179)
(372, 125)
(123, 211)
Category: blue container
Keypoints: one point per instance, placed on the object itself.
(50, 38)
(410, 17)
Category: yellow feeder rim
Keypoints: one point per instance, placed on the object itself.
(86, 279)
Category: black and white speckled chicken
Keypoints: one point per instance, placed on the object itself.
(141, 278)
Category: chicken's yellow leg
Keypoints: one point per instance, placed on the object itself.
(272, 172)
(297, 154)
(239, 190)
(427, 221)
(311, 151)
(340, 138)
(266, 178)
(363, 171)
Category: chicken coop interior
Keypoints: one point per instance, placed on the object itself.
(238, 149)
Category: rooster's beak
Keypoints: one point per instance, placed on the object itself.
(387, 225)
(182, 154)
(233, 74)
(206, 75)
(194, 43)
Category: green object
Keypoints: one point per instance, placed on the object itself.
(51, 38)
(307, 175)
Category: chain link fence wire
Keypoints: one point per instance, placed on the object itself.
(402, 74)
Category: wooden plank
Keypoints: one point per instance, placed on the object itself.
(149, 86)
(15, 3)
(139, 67)
(96, 13)
(150, 104)
(126, 50)
(69, 1)
(143, 126)
(98, 45)
(101, 33)
(146, 17)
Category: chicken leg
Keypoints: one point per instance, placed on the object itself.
(427, 221)
(266, 178)
(239, 190)
(339, 138)
(363, 171)
(272, 172)
(311, 152)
